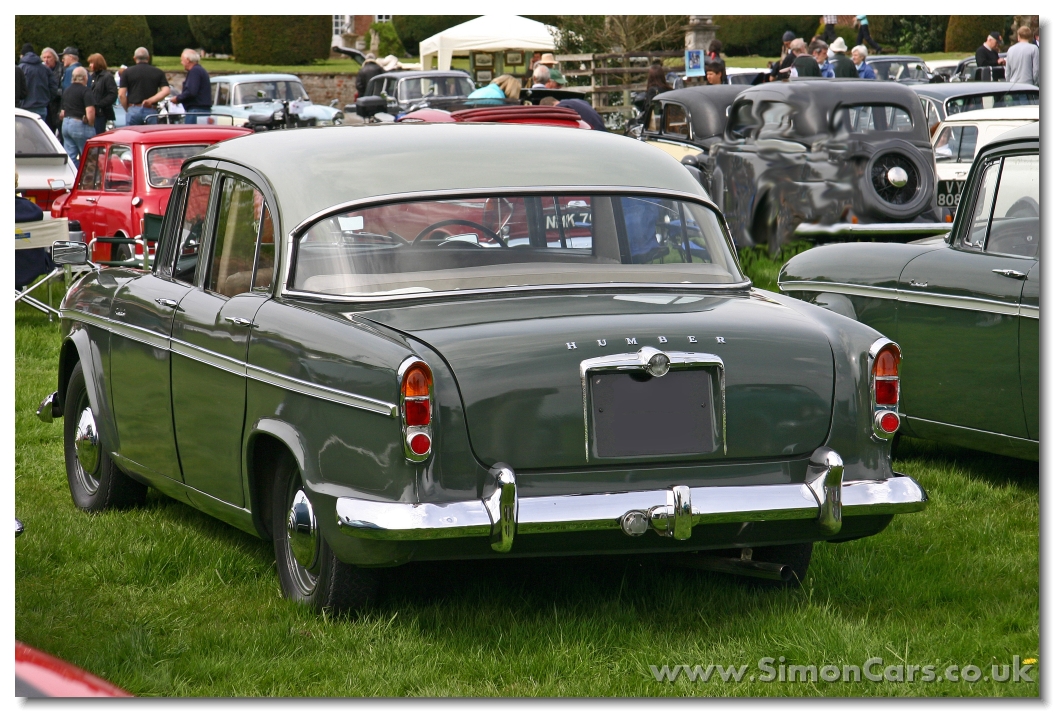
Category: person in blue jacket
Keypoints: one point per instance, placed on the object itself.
(863, 69)
(71, 59)
(40, 83)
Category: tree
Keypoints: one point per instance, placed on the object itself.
(619, 33)
(213, 32)
(414, 28)
(115, 37)
(281, 39)
(171, 34)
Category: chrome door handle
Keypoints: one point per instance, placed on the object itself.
(119, 312)
(917, 283)
(1012, 273)
(170, 303)
(92, 200)
(238, 321)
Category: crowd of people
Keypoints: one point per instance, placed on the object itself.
(78, 102)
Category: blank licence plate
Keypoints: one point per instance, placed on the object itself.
(637, 415)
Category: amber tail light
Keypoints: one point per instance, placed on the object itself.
(885, 388)
(415, 400)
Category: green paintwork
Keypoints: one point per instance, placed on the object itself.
(186, 399)
(970, 337)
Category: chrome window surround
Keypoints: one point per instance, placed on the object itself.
(877, 411)
(641, 361)
(409, 431)
(284, 288)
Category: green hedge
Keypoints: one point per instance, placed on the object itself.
(171, 34)
(909, 34)
(212, 32)
(115, 37)
(761, 34)
(281, 39)
(389, 40)
(967, 32)
(414, 28)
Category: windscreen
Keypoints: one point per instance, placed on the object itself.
(995, 100)
(250, 92)
(421, 87)
(901, 70)
(870, 118)
(511, 241)
(163, 164)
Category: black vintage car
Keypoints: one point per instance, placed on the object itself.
(685, 122)
(419, 89)
(821, 151)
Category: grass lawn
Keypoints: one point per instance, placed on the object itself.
(164, 600)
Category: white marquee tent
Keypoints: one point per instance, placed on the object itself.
(489, 33)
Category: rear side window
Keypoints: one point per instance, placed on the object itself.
(869, 118)
(91, 170)
(956, 144)
(243, 221)
(223, 94)
(675, 120)
(1015, 218)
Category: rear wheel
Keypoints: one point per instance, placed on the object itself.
(96, 483)
(308, 570)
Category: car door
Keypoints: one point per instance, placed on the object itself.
(83, 200)
(140, 348)
(958, 309)
(114, 207)
(210, 341)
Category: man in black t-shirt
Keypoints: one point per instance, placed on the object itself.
(78, 114)
(988, 53)
(142, 86)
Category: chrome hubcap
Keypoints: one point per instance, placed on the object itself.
(897, 177)
(87, 441)
(302, 531)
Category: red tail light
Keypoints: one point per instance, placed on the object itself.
(415, 398)
(885, 388)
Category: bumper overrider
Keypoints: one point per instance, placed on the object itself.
(673, 512)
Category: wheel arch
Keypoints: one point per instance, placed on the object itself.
(268, 440)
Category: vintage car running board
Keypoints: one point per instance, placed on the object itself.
(673, 512)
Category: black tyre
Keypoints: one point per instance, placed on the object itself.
(96, 483)
(897, 183)
(308, 570)
(797, 556)
(122, 252)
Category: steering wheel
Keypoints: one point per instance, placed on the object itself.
(1024, 207)
(457, 221)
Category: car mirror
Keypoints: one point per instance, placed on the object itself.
(65, 252)
(636, 131)
(333, 103)
(57, 184)
(691, 160)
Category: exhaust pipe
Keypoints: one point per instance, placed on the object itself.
(743, 566)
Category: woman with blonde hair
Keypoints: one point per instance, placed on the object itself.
(500, 89)
(104, 91)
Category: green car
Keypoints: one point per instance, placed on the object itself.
(384, 343)
(965, 307)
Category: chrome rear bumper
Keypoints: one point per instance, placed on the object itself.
(502, 515)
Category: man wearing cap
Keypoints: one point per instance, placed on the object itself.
(70, 61)
(556, 78)
(842, 65)
(142, 86)
(988, 53)
(40, 82)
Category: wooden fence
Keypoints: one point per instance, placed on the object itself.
(613, 77)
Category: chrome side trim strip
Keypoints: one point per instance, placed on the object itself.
(332, 395)
(991, 306)
(226, 363)
(970, 430)
(129, 331)
(209, 358)
(914, 229)
(1029, 312)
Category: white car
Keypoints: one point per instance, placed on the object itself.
(44, 169)
(958, 139)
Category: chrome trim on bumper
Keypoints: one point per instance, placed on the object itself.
(502, 516)
(914, 230)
